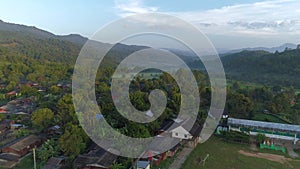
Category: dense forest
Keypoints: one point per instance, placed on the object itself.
(280, 68)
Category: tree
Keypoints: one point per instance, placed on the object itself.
(28, 90)
(236, 85)
(11, 86)
(116, 165)
(49, 149)
(238, 105)
(138, 100)
(280, 103)
(55, 90)
(42, 118)
(260, 138)
(137, 130)
(22, 133)
(2, 117)
(66, 112)
(73, 141)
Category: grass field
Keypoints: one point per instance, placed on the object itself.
(27, 163)
(223, 155)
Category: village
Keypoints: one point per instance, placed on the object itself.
(17, 140)
(17, 144)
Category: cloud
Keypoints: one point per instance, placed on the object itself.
(130, 7)
(268, 17)
(266, 23)
(261, 18)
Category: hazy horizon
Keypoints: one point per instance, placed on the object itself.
(228, 24)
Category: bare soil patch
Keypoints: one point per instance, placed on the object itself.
(272, 157)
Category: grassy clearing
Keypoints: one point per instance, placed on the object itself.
(223, 155)
(27, 163)
(243, 85)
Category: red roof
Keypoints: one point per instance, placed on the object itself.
(11, 93)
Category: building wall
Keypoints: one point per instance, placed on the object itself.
(148, 167)
(21, 152)
(275, 136)
(181, 133)
(13, 151)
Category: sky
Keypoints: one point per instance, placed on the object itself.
(229, 24)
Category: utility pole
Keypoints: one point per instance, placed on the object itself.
(203, 161)
(34, 158)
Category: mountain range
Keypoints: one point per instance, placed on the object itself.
(39, 33)
(261, 65)
(280, 48)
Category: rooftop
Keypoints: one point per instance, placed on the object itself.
(54, 163)
(160, 144)
(190, 125)
(142, 164)
(25, 142)
(97, 157)
(267, 125)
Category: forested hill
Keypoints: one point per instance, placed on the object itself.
(39, 33)
(30, 54)
(44, 46)
(37, 44)
(279, 68)
(32, 44)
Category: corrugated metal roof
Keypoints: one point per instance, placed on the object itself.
(267, 125)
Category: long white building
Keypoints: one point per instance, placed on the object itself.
(270, 129)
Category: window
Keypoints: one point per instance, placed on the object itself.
(176, 134)
(185, 135)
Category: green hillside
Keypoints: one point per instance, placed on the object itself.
(280, 68)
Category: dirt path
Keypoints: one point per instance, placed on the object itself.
(272, 157)
(179, 160)
(292, 152)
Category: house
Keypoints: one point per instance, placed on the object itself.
(41, 90)
(55, 163)
(143, 165)
(195, 132)
(2, 110)
(160, 148)
(97, 158)
(3, 128)
(181, 133)
(54, 130)
(165, 126)
(173, 150)
(17, 126)
(5, 125)
(187, 130)
(12, 93)
(23, 146)
(8, 160)
(21, 113)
